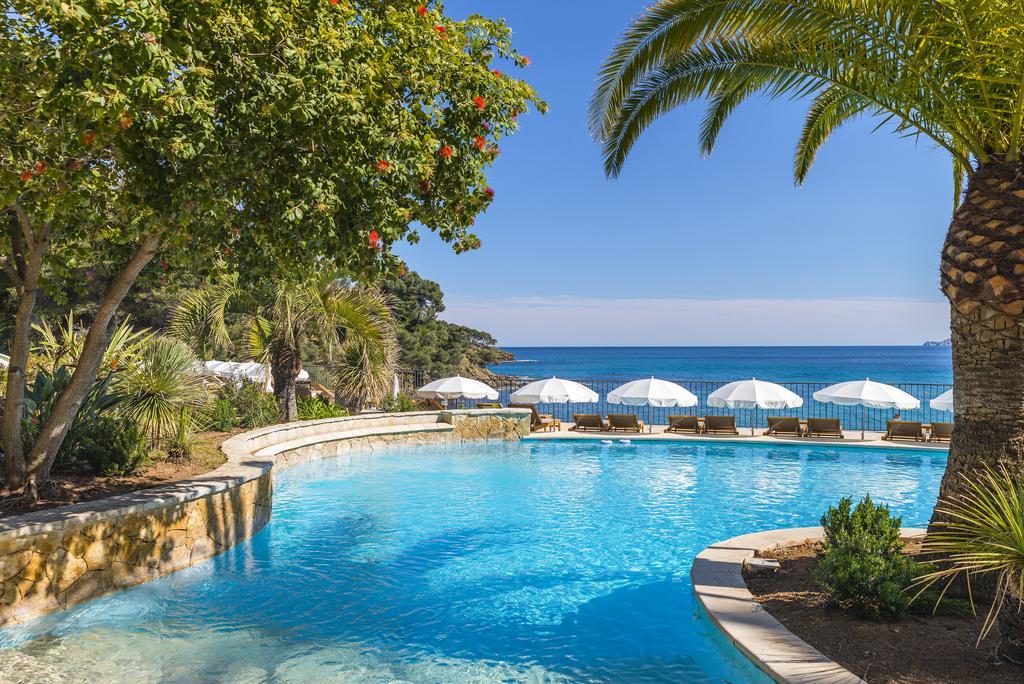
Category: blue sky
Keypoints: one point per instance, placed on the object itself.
(570, 257)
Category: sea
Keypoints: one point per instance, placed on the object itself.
(893, 365)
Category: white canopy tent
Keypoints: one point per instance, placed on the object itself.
(553, 391)
(245, 370)
(867, 394)
(652, 393)
(5, 360)
(754, 394)
(457, 387)
(943, 402)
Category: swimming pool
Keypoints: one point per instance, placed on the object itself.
(531, 561)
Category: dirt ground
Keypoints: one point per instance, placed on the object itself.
(68, 488)
(916, 650)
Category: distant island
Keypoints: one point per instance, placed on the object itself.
(939, 343)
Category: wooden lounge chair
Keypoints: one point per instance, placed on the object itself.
(824, 427)
(487, 405)
(588, 422)
(683, 424)
(624, 422)
(539, 422)
(904, 429)
(941, 432)
(784, 425)
(429, 405)
(720, 425)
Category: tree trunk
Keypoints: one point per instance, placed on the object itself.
(983, 277)
(1011, 629)
(285, 366)
(53, 432)
(23, 271)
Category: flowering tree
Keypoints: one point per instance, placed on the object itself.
(270, 134)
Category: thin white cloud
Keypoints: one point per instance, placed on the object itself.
(570, 321)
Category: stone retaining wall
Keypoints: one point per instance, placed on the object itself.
(56, 558)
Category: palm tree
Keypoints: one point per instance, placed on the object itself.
(947, 71)
(344, 321)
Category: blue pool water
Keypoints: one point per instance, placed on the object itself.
(533, 561)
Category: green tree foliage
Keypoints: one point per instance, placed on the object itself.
(273, 133)
(431, 344)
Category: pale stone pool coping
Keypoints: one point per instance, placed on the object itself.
(59, 557)
(717, 579)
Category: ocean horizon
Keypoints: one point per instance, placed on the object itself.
(891, 364)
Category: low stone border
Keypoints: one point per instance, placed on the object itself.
(717, 578)
(59, 557)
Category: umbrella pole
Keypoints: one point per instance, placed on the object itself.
(863, 413)
(650, 425)
(753, 419)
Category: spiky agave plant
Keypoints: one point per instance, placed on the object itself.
(982, 534)
(61, 344)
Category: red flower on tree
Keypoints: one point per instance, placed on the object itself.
(446, 152)
(374, 239)
(333, 2)
(480, 142)
(489, 191)
(382, 165)
(40, 167)
(403, 270)
(25, 176)
(425, 187)
(479, 102)
(422, 10)
(441, 31)
(526, 61)
(496, 72)
(125, 121)
(88, 138)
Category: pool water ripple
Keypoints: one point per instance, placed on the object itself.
(532, 561)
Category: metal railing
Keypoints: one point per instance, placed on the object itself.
(850, 416)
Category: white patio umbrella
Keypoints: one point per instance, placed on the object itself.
(754, 394)
(457, 387)
(943, 402)
(867, 394)
(553, 391)
(652, 393)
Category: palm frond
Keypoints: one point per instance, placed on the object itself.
(943, 70)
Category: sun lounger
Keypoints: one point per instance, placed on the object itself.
(487, 405)
(784, 425)
(683, 424)
(539, 422)
(624, 422)
(941, 432)
(720, 424)
(588, 422)
(429, 405)
(904, 429)
(824, 427)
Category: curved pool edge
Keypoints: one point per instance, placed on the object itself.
(56, 558)
(717, 579)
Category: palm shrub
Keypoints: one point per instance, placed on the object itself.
(252, 407)
(982, 534)
(318, 310)
(947, 72)
(861, 565)
(163, 388)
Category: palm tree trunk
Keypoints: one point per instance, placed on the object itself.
(285, 366)
(983, 278)
(1011, 629)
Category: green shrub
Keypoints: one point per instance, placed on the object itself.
(316, 408)
(223, 417)
(253, 407)
(179, 443)
(400, 404)
(112, 447)
(861, 565)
